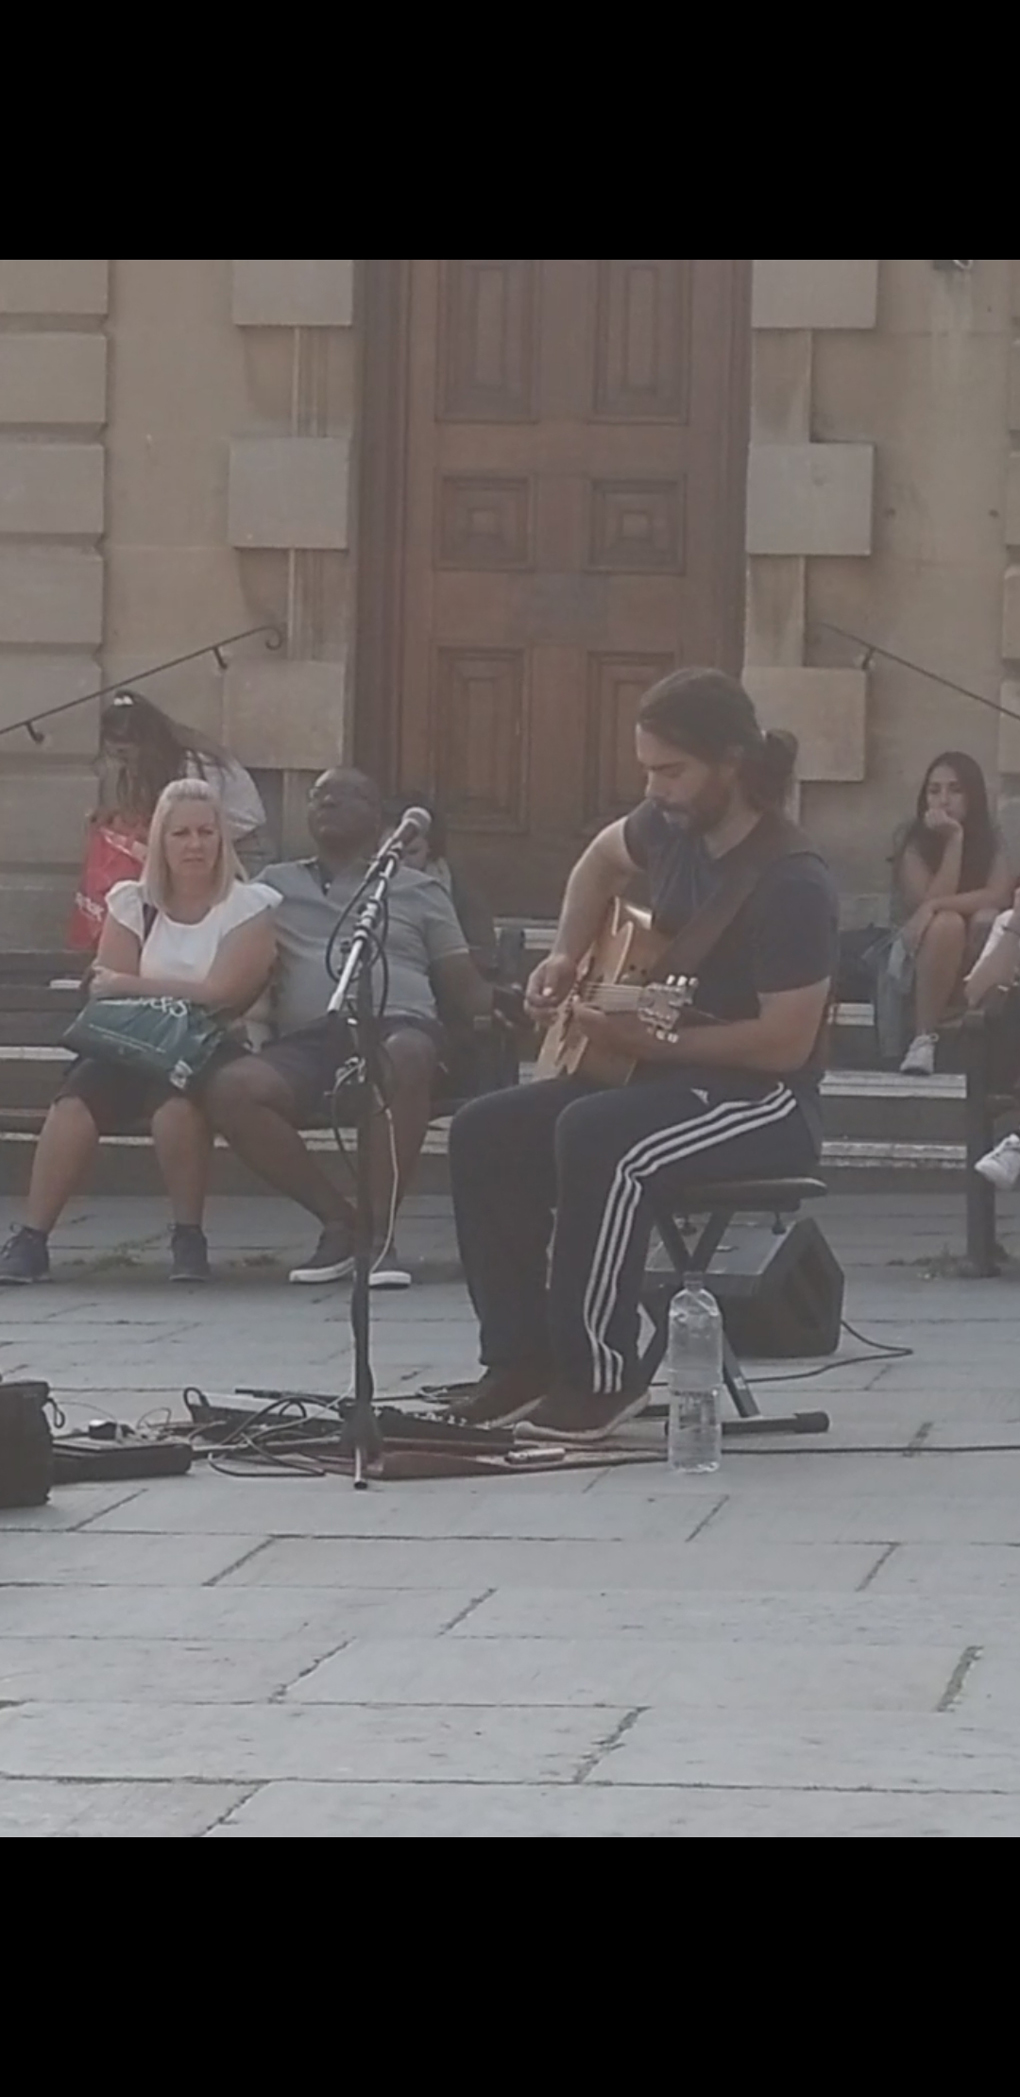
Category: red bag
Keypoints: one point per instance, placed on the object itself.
(110, 856)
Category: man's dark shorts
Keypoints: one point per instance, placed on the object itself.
(309, 1059)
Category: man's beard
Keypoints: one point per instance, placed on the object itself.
(708, 811)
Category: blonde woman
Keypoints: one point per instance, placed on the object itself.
(191, 927)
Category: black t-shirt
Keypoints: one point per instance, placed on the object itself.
(785, 937)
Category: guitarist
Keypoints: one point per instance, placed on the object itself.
(734, 1100)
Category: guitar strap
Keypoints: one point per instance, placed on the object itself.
(773, 838)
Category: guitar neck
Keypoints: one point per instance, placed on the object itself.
(614, 997)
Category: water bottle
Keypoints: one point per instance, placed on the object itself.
(694, 1434)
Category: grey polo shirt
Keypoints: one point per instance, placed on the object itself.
(423, 929)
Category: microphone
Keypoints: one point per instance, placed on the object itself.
(414, 823)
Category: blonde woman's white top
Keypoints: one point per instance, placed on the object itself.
(187, 951)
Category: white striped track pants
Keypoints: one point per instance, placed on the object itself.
(558, 1152)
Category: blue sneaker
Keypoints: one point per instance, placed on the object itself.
(25, 1257)
(189, 1254)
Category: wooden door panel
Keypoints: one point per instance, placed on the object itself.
(480, 737)
(643, 341)
(559, 521)
(488, 347)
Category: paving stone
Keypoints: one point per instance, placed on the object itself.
(262, 1614)
(69, 1507)
(30, 1807)
(953, 1569)
(244, 1743)
(631, 1671)
(115, 1561)
(138, 1671)
(892, 1751)
(478, 1563)
(587, 1810)
(919, 1517)
(989, 1688)
(868, 1619)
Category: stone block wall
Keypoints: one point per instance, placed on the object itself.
(174, 461)
(177, 462)
(883, 497)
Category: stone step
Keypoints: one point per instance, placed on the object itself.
(27, 1000)
(38, 966)
(44, 1029)
(873, 1106)
(29, 1076)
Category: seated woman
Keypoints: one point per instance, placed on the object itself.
(191, 927)
(950, 878)
(428, 854)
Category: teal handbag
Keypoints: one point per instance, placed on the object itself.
(168, 1038)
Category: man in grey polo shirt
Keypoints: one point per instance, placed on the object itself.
(259, 1103)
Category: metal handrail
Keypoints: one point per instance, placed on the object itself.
(276, 635)
(872, 648)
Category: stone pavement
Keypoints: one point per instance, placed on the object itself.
(822, 1640)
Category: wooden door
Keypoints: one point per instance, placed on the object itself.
(551, 516)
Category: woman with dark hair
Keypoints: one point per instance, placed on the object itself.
(950, 878)
(556, 1184)
(428, 856)
(140, 751)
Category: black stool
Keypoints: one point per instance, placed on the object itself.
(718, 1204)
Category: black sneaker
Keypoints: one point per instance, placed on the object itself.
(25, 1257)
(189, 1253)
(333, 1258)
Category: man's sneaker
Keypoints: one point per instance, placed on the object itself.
(333, 1258)
(1001, 1166)
(581, 1416)
(919, 1061)
(189, 1254)
(388, 1270)
(499, 1397)
(25, 1257)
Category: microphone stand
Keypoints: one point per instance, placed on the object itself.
(352, 999)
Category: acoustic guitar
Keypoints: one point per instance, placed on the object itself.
(616, 976)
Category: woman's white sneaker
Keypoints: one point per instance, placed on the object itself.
(1001, 1166)
(919, 1061)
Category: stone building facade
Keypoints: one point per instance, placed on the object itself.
(187, 450)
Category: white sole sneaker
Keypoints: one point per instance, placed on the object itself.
(389, 1278)
(919, 1061)
(339, 1271)
(1000, 1171)
(581, 1436)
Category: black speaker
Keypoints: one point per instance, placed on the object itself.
(780, 1292)
(26, 1445)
